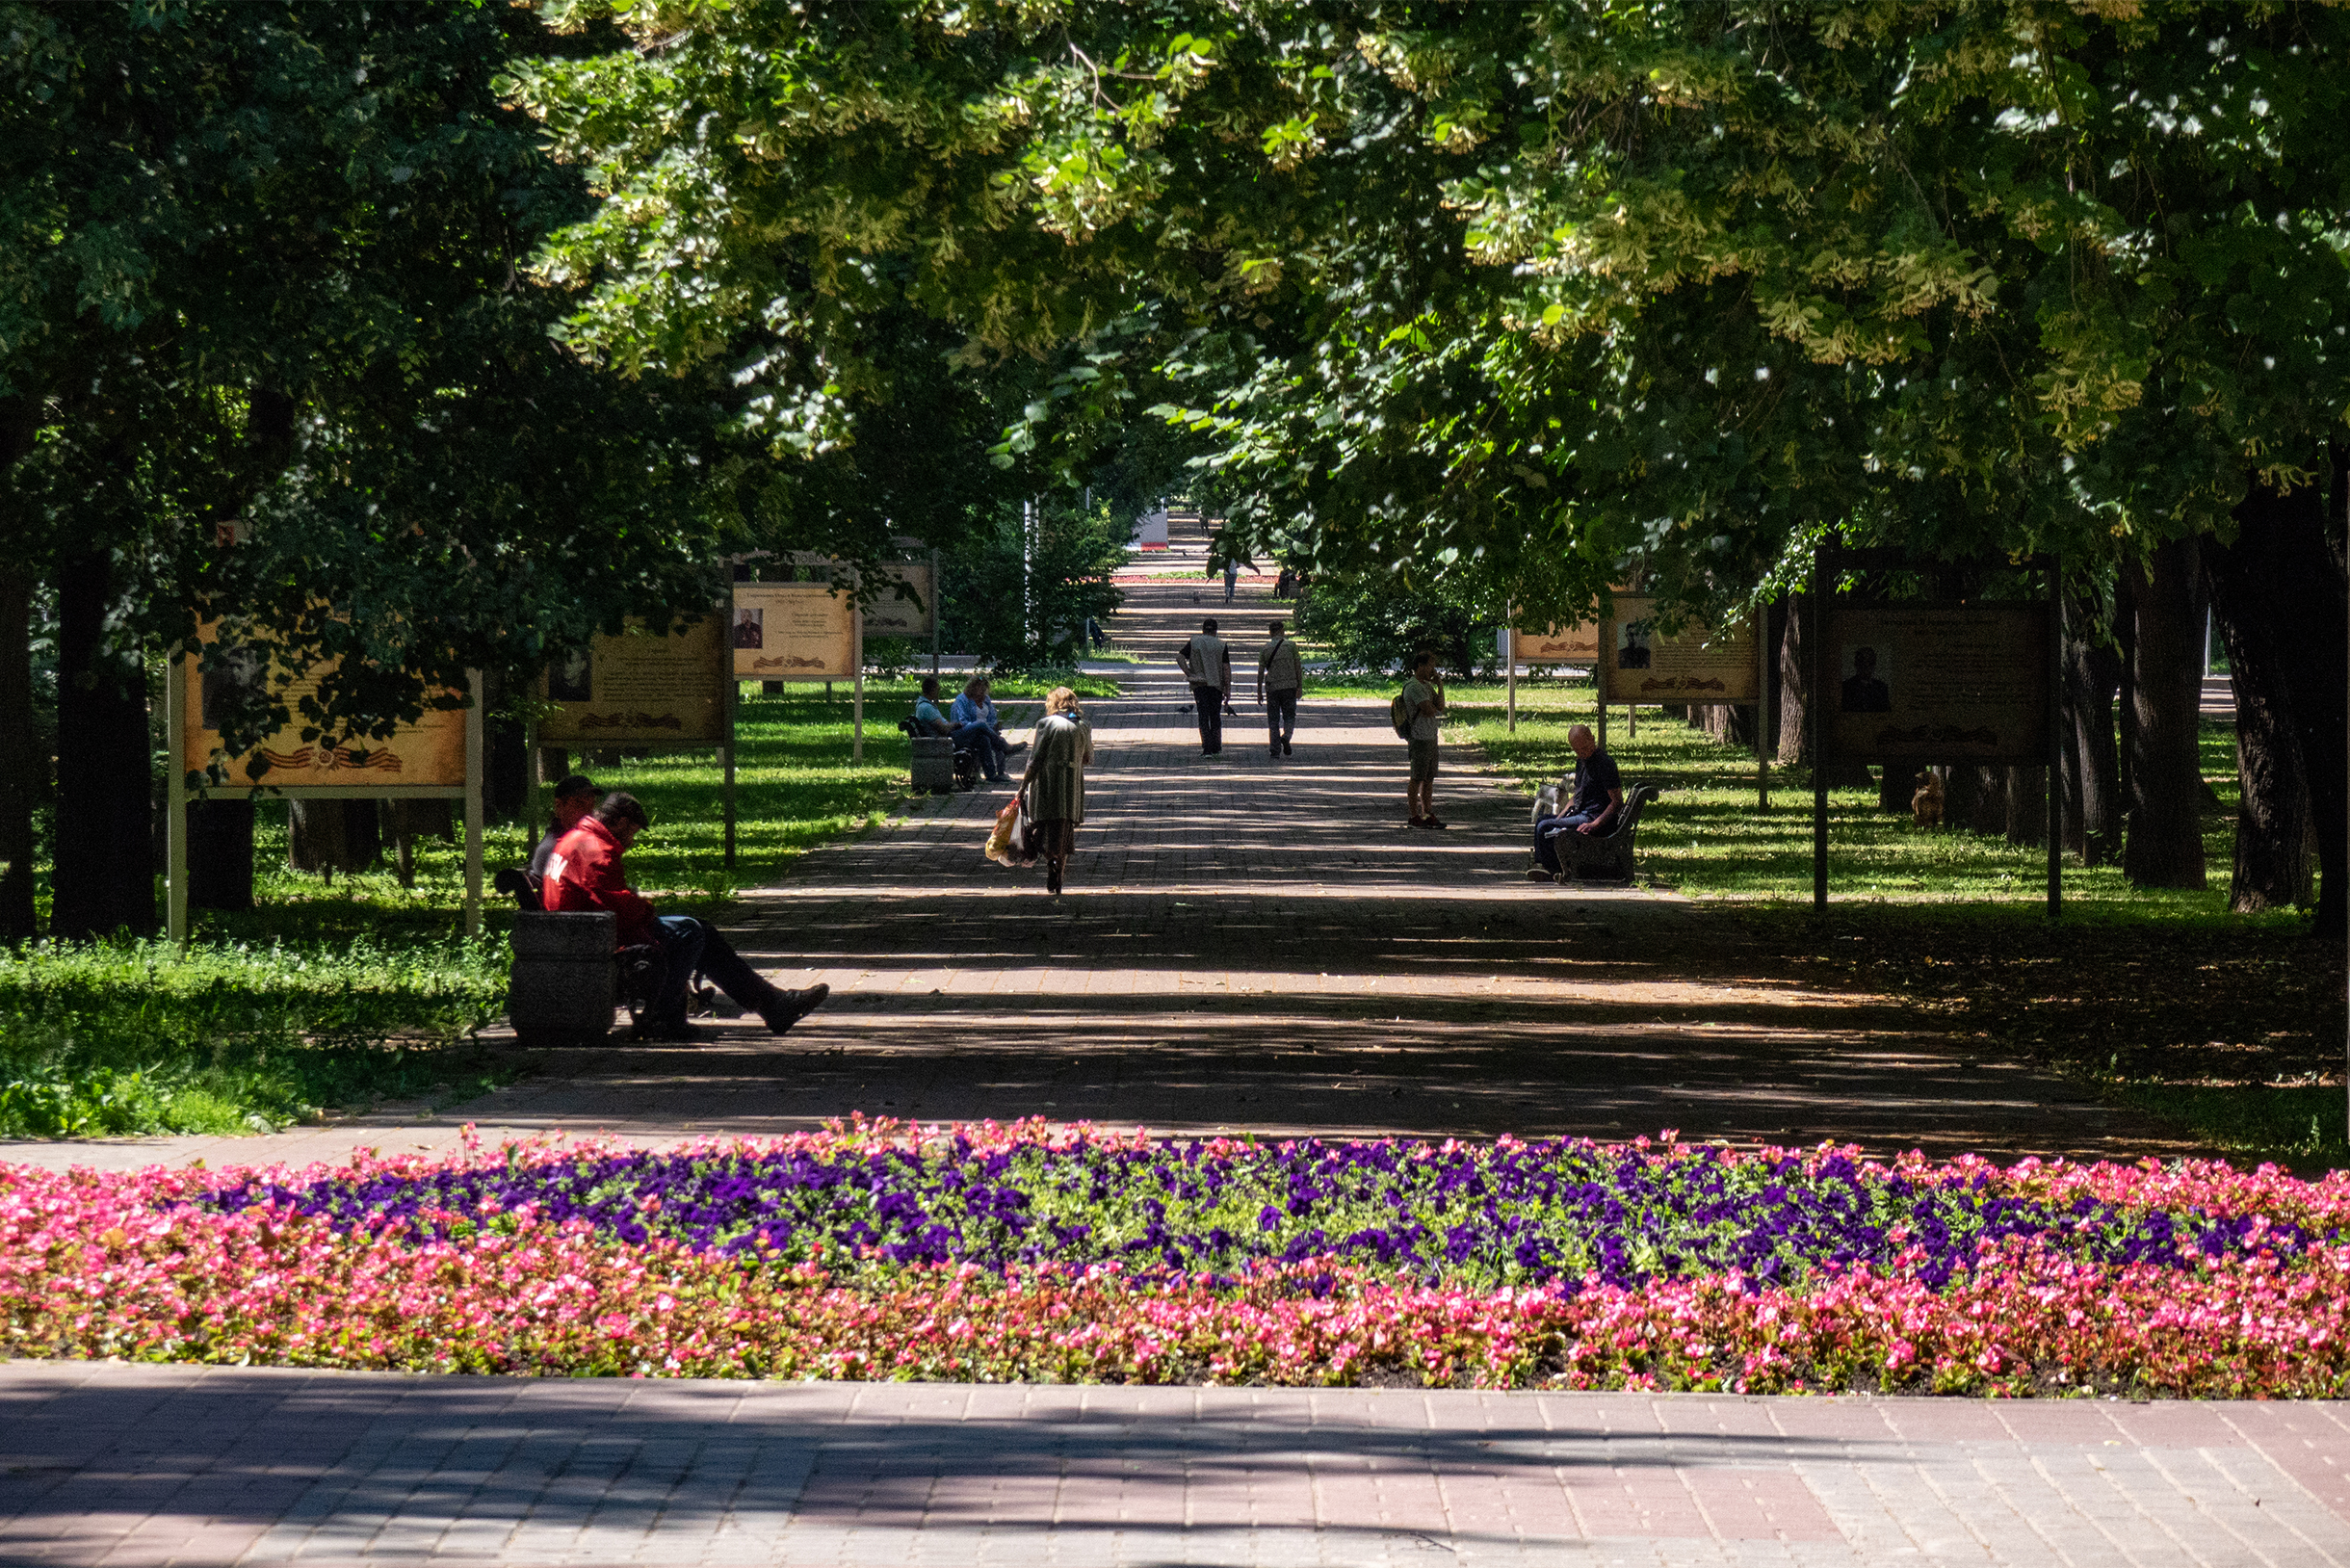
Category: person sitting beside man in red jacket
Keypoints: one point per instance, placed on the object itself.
(585, 873)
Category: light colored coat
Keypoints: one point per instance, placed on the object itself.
(1063, 747)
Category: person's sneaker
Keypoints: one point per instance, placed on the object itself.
(1273, 751)
(675, 1033)
(1016, 746)
(1432, 822)
(1287, 750)
(1417, 821)
(1537, 875)
(791, 1006)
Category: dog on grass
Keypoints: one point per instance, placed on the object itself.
(1926, 804)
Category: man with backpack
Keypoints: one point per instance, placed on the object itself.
(1280, 676)
(1417, 710)
(1206, 663)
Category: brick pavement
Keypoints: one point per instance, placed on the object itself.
(1259, 944)
(122, 1465)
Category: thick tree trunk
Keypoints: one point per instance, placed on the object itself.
(2027, 806)
(2093, 671)
(21, 767)
(2303, 609)
(1795, 709)
(1794, 737)
(221, 853)
(2164, 846)
(1897, 782)
(328, 836)
(2272, 818)
(103, 878)
(1958, 789)
(1990, 817)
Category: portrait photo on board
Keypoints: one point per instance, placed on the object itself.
(570, 678)
(1632, 647)
(1865, 671)
(230, 676)
(751, 628)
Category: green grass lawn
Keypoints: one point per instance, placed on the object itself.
(337, 994)
(2225, 1025)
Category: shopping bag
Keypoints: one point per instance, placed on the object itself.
(1000, 836)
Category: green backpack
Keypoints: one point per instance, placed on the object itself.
(1400, 714)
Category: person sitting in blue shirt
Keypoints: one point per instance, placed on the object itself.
(1598, 796)
(925, 710)
(973, 717)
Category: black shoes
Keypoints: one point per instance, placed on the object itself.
(789, 1007)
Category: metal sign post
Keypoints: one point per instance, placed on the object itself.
(726, 758)
(856, 643)
(1761, 702)
(476, 754)
(938, 607)
(176, 817)
(2056, 718)
(1509, 647)
(1814, 716)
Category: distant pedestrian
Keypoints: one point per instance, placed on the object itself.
(1232, 579)
(1280, 675)
(1055, 782)
(1424, 701)
(1206, 663)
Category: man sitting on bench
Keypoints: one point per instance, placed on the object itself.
(1592, 805)
(584, 874)
(575, 796)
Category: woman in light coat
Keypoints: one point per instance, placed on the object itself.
(1055, 782)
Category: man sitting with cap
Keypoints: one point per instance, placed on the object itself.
(584, 874)
(575, 796)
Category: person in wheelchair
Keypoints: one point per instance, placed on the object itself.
(585, 875)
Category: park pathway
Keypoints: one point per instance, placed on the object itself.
(1261, 944)
(1246, 944)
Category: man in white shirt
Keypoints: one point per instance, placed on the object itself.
(1280, 676)
(1206, 663)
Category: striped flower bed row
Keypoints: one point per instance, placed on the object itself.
(1040, 1253)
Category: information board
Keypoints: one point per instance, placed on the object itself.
(1558, 645)
(793, 631)
(427, 755)
(1700, 664)
(1942, 683)
(893, 615)
(638, 689)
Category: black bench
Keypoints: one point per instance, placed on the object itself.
(637, 970)
(1596, 857)
(966, 752)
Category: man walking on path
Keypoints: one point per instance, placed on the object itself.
(1232, 579)
(1280, 676)
(1206, 663)
(1592, 804)
(1424, 698)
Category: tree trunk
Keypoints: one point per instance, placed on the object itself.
(1958, 792)
(22, 770)
(1897, 782)
(328, 836)
(2272, 818)
(1794, 737)
(220, 853)
(2306, 617)
(405, 822)
(2164, 846)
(2093, 671)
(103, 875)
(2027, 806)
(1990, 817)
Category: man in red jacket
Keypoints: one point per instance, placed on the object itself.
(585, 873)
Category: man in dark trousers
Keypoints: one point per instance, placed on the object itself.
(584, 874)
(1206, 663)
(1598, 794)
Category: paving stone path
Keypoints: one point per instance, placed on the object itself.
(1256, 943)
(179, 1465)
(1247, 943)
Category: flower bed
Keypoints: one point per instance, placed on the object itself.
(1058, 1254)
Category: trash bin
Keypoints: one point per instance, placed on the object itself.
(560, 992)
(933, 764)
